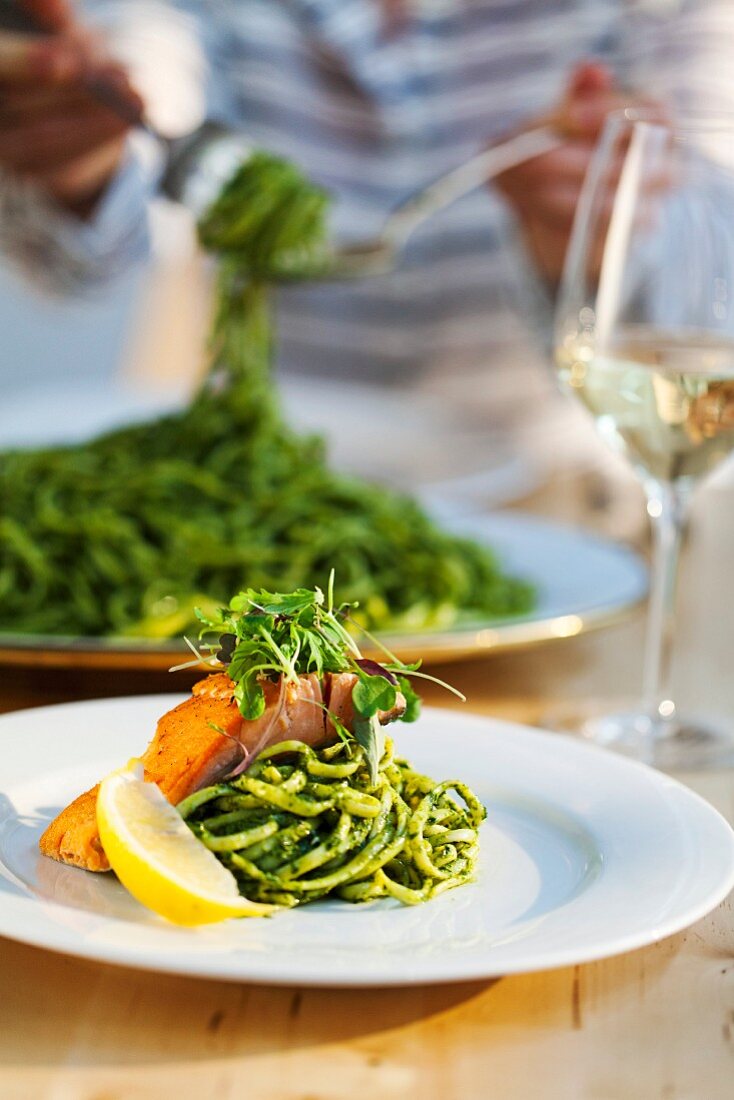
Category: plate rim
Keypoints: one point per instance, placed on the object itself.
(215, 967)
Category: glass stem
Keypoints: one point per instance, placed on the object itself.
(667, 508)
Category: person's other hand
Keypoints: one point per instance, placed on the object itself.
(52, 129)
(544, 191)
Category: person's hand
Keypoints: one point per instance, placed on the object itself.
(544, 191)
(53, 130)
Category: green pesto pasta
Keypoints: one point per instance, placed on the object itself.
(303, 824)
(125, 535)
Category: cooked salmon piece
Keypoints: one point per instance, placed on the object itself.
(185, 752)
(202, 740)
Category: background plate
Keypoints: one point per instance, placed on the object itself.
(584, 855)
(583, 582)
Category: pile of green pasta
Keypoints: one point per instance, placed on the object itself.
(126, 534)
(301, 824)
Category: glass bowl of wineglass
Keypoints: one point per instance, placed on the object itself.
(644, 339)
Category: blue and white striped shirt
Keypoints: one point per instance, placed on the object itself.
(373, 116)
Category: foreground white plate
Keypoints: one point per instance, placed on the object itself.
(584, 855)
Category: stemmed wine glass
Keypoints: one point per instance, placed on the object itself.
(645, 340)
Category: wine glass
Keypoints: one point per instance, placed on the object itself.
(645, 340)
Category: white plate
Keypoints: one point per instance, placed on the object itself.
(434, 452)
(584, 855)
(413, 441)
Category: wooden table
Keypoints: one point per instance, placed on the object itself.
(655, 1024)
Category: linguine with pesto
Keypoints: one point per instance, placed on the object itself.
(302, 824)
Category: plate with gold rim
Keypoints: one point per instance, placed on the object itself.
(583, 582)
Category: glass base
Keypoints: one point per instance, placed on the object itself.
(678, 742)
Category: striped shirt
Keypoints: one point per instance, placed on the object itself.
(373, 116)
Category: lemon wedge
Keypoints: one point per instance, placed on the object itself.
(157, 857)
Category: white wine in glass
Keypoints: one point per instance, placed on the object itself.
(662, 398)
(645, 340)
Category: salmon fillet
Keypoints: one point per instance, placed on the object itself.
(189, 752)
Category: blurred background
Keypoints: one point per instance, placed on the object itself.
(435, 377)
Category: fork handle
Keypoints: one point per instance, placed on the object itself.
(468, 176)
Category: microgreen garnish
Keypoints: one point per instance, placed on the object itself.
(371, 694)
(373, 668)
(264, 636)
(371, 736)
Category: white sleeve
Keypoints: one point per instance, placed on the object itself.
(167, 55)
(62, 254)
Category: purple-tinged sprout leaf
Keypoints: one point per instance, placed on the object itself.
(374, 668)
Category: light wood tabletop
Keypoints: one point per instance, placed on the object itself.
(654, 1023)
